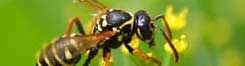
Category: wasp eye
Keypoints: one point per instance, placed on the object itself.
(117, 17)
(142, 18)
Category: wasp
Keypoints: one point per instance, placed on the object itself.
(111, 28)
(67, 50)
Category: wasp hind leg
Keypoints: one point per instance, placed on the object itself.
(92, 53)
(72, 21)
(107, 56)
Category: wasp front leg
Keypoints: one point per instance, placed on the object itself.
(142, 54)
(94, 51)
(139, 52)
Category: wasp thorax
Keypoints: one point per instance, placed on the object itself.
(117, 18)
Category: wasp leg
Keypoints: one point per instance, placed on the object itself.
(72, 21)
(167, 35)
(94, 4)
(93, 52)
(107, 56)
(139, 53)
(152, 43)
(142, 55)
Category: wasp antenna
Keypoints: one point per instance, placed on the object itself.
(169, 32)
(167, 27)
(176, 54)
(157, 17)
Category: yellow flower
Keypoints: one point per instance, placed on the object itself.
(102, 62)
(180, 44)
(176, 21)
(230, 57)
(134, 44)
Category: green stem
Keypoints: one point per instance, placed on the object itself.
(166, 61)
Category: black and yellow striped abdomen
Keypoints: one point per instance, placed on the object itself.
(63, 52)
(67, 51)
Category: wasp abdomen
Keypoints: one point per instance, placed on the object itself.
(62, 52)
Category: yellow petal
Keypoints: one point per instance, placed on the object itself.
(134, 44)
(180, 44)
(176, 21)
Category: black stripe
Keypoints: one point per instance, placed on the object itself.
(53, 61)
(75, 57)
(65, 43)
(41, 60)
(100, 22)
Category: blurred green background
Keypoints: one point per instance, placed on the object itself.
(215, 30)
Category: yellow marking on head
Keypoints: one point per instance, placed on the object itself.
(138, 30)
(56, 57)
